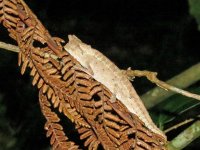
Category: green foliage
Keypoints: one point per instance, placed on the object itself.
(175, 108)
(2, 113)
(195, 10)
(7, 141)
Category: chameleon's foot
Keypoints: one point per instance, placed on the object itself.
(130, 77)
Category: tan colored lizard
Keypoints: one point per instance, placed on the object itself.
(106, 72)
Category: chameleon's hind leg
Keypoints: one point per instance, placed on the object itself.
(113, 98)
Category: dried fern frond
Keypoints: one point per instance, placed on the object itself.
(65, 87)
(59, 140)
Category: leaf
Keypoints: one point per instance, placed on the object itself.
(194, 6)
(173, 107)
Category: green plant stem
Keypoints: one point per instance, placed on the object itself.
(182, 80)
(185, 137)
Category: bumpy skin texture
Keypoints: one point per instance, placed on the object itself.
(106, 72)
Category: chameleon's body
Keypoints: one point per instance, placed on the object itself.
(107, 73)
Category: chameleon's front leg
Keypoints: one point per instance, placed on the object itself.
(152, 76)
(113, 97)
(130, 77)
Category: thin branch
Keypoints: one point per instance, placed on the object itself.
(152, 76)
(178, 125)
(185, 137)
(182, 80)
(9, 47)
(15, 49)
(181, 124)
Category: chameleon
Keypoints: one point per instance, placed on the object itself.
(107, 73)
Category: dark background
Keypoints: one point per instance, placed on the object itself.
(156, 35)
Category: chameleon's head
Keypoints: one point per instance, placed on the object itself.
(76, 47)
(73, 46)
(78, 50)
